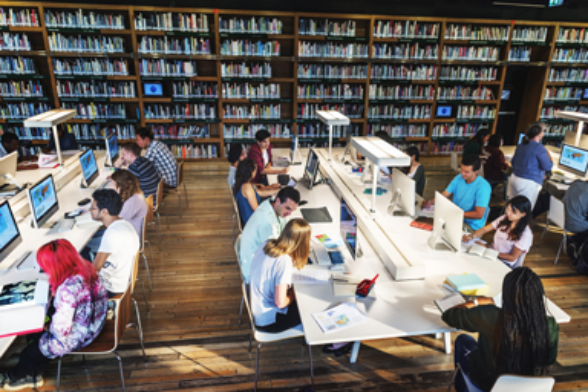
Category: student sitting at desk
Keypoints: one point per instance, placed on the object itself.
(576, 211)
(246, 194)
(530, 162)
(267, 222)
(77, 315)
(67, 141)
(236, 154)
(416, 171)
(513, 237)
(9, 143)
(134, 206)
(470, 192)
(495, 164)
(273, 303)
(261, 154)
(518, 338)
(159, 155)
(141, 167)
(475, 146)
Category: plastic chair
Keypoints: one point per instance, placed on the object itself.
(177, 190)
(237, 247)
(509, 383)
(267, 337)
(556, 215)
(236, 215)
(149, 202)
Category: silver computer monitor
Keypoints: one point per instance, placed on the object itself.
(111, 149)
(348, 228)
(8, 169)
(448, 224)
(9, 234)
(89, 167)
(573, 159)
(403, 193)
(43, 201)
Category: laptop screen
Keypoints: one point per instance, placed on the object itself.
(574, 159)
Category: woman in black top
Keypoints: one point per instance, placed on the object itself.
(476, 144)
(416, 171)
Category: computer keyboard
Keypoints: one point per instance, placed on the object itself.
(29, 261)
(62, 225)
(104, 184)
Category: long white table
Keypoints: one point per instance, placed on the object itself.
(400, 308)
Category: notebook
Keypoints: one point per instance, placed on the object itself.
(469, 284)
(449, 301)
(316, 215)
(482, 251)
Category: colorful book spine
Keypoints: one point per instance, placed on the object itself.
(251, 91)
(248, 131)
(464, 92)
(308, 110)
(93, 111)
(91, 66)
(93, 44)
(200, 111)
(19, 18)
(529, 34)
(17, 65)
(328, 27)
(405, 51)
(476, 32)
(406, 29)
(22, 110)
(21, 88)
(396, 131)
(180, 131)
(167, 67)
(251, 112)
(399, 112)
(95, 89)
(253, 25)
(468, 73)
(322, 131)
(404, 72)
(193, 89)
(246, 70)
(330, 91)
(320, 71)
(250, 48)
(471, 53)
(332, 49)
(84, 20)
(418, 92)
(172, 21)
(14, 41)
(166, 45)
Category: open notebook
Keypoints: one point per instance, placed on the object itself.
(482, 251)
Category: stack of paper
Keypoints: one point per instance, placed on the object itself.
(340, 317)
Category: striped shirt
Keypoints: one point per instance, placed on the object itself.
(148, 177)
(164, 162)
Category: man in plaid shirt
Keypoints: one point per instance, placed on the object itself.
(159, 155)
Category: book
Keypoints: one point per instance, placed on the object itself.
(24, 293)
(342, 316)
(449, 301)
(482, 251)
(469, 284)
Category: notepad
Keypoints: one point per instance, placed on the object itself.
(449, 301)
(469, 284)
(482, 251)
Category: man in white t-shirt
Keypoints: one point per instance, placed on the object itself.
(119, 245)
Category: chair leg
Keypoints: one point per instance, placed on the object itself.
(558, 251)
(159, 229)
(180, 204)
(544, 231)
(186, 195)
(147, 269)
(151, 255)
(241, 310)
(120, 366)
(233, 226)
(310, 362)
(256, 367)
(139, 327)
(58, 374)
(145, 296)
(250, 341)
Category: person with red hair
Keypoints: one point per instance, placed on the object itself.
(80, 304)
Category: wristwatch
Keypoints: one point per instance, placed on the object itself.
(475, 301)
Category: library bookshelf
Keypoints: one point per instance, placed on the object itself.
(202, 78)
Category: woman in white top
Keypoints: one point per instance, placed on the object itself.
(236, 154)
(273, 303)
(513, 237)
(134, 206)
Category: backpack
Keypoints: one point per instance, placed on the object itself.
(580, 258)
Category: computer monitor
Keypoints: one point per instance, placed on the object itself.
(111, 149)
(8, 169)
(89, 167)
(43, 201)
(153, 89)
(403, 193)
(521, 137)
(448, 224)
(348, 228)
(9, 234)
(444, 111)
(311, 168)
(585, 96)
(574, 159)
(505, 95)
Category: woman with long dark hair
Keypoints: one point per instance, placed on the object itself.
(476, 144)
(236, 154)
(518, 338)
(513, 237)
(247, 195)
(495, 165)
(416, 171)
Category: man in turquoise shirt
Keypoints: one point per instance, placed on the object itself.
(266, 223)
(470, 192)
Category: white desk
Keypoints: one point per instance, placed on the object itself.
(401, 308)
(68, 197)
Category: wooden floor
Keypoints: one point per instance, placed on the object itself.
(193, 341)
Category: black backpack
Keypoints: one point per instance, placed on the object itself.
(580, 257)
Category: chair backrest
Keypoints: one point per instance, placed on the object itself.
(245, 288)
(149, 216)
(122, 314)
(557, 212)
(236, 211)
(180, 173)
(135, 272)
(509, 383)
(159, 195)
(455, 161)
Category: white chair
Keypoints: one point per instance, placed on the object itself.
(454, 165)
(267, 337)
(556, 215)
(509, 383)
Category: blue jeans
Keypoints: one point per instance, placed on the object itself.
(91, 249)
(464, 345)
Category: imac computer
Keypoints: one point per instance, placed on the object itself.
(403, 194)
(89, 168)
(574, 160)
(42, 201)
(311, 169)
(8, 169)
(9, 234)
(111, 150)
(349, 229)
(448, 224)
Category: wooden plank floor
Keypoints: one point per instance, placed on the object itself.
(193, 341)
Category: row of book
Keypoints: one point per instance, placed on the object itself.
(95, 89)
(167, 67)
(562, 55)
(21, 17)
(476, 112)
(402, 146)
(84, 20)
(251, 91)
(519, 53)
(468, 73)
(559, 129)
(13, 111)
(332, 49)
(246, 70)
(404, 72)
(251, 112)
(529, 34)
(476, 32)
(568, 75)
(562, 93)
(330, 91)
(465, 92)
(187, 112)
(399, 130)
(320, 71)
(399, 112)
(28, 133)
(250, 48)
(308, 110)
(92, 110)
(405, 51)
(172, 21)
(572, 35)
(406, 29)
(446, 148)
(193, 89)
(199, 151)
(29, 151)
(248, 131)
(169, 131)
(91, 66)
(326, 27)
(17, 65)
(471, 53)
(322, 131)
(21, 88)
(165, 45)
(380, 91)
(253, 25)
(93, 44)
(455, 130)
(94, 131)
(548, 112)
(14, 41)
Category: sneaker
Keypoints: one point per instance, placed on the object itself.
(3, 379)
(23, 383)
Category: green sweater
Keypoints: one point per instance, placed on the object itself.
(483, 319)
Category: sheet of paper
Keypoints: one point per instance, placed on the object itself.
(340, 317)
(449, 301)
(344, 289)
(310, 276)
(292, 183)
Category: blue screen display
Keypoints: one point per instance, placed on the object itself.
(153, 89)
(112, 146)
(88, 163)
(444, 111)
